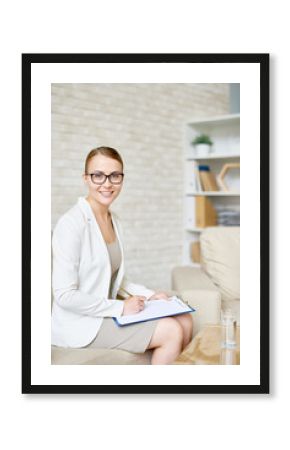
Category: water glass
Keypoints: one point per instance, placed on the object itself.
(228, 325)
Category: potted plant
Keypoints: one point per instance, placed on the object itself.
(202, 144)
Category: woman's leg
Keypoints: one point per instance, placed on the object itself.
(186, 322)
(167, 341)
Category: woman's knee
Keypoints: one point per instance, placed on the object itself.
(174, 329)
(168, 331)
(187, 323)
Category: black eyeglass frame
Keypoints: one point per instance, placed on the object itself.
(106, 176)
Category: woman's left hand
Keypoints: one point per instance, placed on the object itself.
(159, 295)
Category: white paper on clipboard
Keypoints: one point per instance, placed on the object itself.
(156, 309)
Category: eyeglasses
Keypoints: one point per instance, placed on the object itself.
(101, 177)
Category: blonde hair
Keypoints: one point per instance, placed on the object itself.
(106, 151)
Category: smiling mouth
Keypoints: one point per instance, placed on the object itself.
(106, 193)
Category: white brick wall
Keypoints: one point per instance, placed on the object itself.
(145, 123)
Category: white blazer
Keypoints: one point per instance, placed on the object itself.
(81, 277)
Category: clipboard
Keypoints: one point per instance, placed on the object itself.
(154, 310)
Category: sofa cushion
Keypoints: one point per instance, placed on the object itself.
(220, 258)
(93, 356)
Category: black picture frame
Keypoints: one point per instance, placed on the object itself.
(248, 58)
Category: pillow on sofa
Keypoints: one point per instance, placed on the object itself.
(220, 258)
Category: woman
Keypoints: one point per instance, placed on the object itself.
(88, 274)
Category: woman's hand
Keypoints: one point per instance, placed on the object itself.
(133, 304)
(159, 295)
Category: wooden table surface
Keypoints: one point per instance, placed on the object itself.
(205, 348)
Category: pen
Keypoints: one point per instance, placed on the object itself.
(126, 292)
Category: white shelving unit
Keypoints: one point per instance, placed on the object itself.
(224, 131)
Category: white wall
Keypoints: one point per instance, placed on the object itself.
(145, 123)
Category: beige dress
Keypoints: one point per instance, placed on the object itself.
(133, 338)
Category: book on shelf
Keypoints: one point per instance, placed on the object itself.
(207, 178)
(195, 252)
(205, 213)
(200, 212)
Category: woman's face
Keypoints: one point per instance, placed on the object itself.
(104, 193)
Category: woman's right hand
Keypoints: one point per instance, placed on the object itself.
(133, 304)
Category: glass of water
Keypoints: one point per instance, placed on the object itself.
(228, 337)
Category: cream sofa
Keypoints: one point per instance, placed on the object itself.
(208, 289)
(210, 311)
(86, 356)
(215, 286)
(89, 356)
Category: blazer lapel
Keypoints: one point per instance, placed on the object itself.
(90, 218)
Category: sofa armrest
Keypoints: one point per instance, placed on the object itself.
(207, 304)
(187, 278)
(195, 287)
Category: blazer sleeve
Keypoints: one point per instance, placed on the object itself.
(66, 247)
